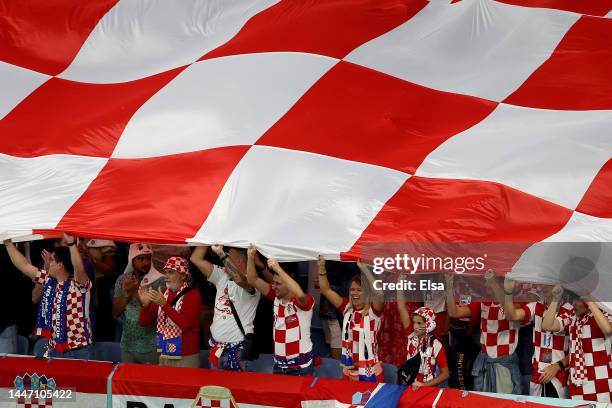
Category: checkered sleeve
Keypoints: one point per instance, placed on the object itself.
(82, 287)
(565, 317)
(529, 310)
(40, 277)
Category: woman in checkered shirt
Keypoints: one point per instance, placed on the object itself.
(362, 311)
(590, 348)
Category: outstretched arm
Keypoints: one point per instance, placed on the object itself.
(232, 271)
(549, 321)
(77, 261)
(333, 298)
(401, 306)
(511, 312)
(600, 318)
(294, 288)
(19, 260)
(454, 311)
(197, 258)
(252, 278)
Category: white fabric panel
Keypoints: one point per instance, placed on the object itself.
(303, 200)
(16, 84)
(579, 257)
(37, 192)
(609, 15)
(120, 400)
(220, 102)
(550, 154)
(475, 47)
(139, 38)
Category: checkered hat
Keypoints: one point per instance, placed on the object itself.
(429, 316)
(178, 264)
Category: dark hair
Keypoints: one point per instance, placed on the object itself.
(62, 255)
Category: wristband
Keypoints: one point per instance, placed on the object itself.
(71, 243)
(560, 363)
(322, 274)
(509, 294)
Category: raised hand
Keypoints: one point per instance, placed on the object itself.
(130, 285)
(157, 297)
(252, 251)
(46, 256)
(217, 249)
(144, 296)
(557, 292)
(272, 263)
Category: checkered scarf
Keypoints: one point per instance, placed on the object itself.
(578, 369)
(166, 328)
(365, 344)
(416, 344)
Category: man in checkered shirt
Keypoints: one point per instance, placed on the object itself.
(590, 349)
(63, 312)
(496, 368)
(550, 357)
(292, 318)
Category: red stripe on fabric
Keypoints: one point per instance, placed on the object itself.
(443, 210)
(332, 28)
(177, 382)
(67, 117)
(592, 7)
(88, 377)
(46, 36)
(597, 201)
(376, 118)
(577, 74)
(160, 199)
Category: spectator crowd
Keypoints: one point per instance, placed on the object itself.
(239, 304)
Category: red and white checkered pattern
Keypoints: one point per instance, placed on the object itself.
(547, 344)
(370, 120)
(595, 362)
(165, 325)
(356, 329)
(292, 329)
(178, 264)
(206, 403)
(78, 324)
(498, 335)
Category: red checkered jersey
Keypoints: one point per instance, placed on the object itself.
(78, 324)
(292, 328)
(549, 347)
(498, 335)
(596, 346)
(355, 329)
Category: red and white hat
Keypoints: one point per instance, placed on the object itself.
(178, 264)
